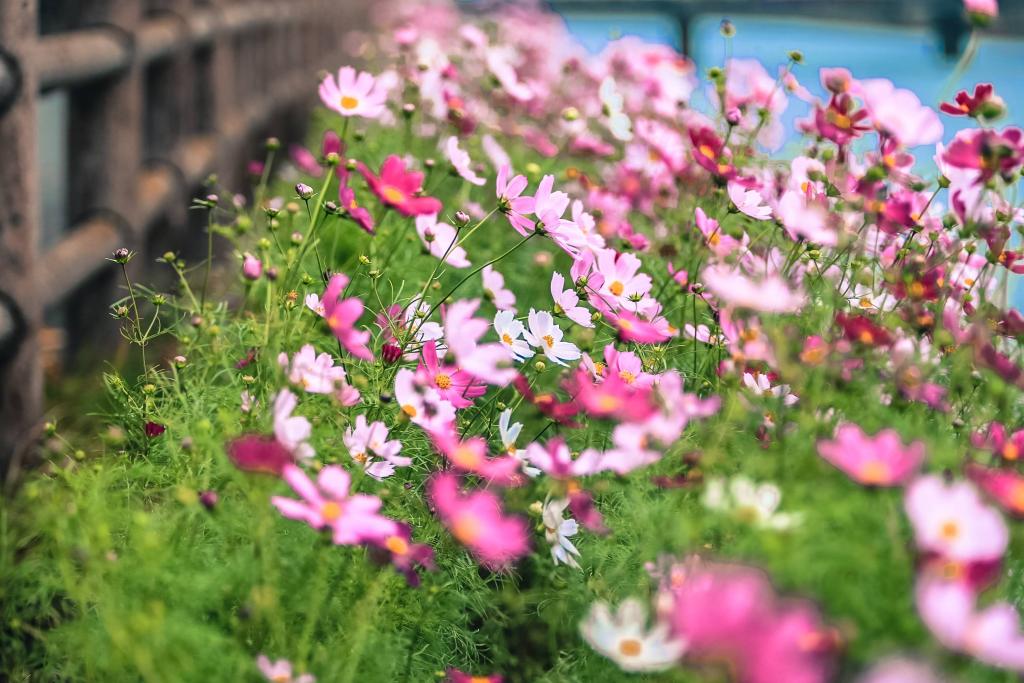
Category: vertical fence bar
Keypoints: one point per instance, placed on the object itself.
(20, 375)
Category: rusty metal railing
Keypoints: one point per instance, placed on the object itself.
(140, 141)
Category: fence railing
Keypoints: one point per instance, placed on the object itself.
(160, 94)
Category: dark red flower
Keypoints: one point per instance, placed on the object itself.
(860, 329)
(258, 453)
(548, 403)
(710, 153)
(983, 104)
(154, 429)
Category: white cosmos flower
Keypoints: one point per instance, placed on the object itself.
(760, 385)
(557, 532)
(509, 332)
(546, 335)
(509, 434)
(756, 504)
(624, 638)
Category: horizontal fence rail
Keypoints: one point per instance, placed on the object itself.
(157, 102)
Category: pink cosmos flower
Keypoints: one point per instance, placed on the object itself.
(460, 161)
(627, 366)
(952, 521)
(748, 201)
(985, 9)
(456, 676)
(307, 162)
(494, 289)
(316, 374)
(398, 188)
(470, 455)
(342, 315)
(720, 243)
(453, 385)
(992, 635)
(347, 202)
(710, 153)
(633, 328)
(477, 521)
(611, 397)
(987, 151)
(439, 239)
(549, 206)
(881, 460)
(403, 554)
(899, 113)
(354, 93)
(421, 403)
(256, 453)
(366, 441)
(511, 203)
(806, 218)
(630, 450)
(555, 460)
(984, 103)
(567, 302)
(489, 362)
(622, 280)
(1004, 486)
(280, 671)
(292, 431)
(352, 519)
(770, 294)
(252, 267)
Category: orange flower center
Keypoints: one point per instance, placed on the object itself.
(465, 457)
(466, 528)
(616, 288)
(397, 545)
(330, 511)
(507, 338)
(874, 472)
(393, 195)
(1011, 451)
(707, 151)
(549, 340)
(627, 376)
(949, 530)
(1016, 497)
(630, 647)
(349, 102)
(409, 410)
(443, 381)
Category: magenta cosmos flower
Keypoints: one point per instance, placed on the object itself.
(453, 385)
(398, 188)
(470, 455)
(512, 203)
(456, 676)
(342, 314)
(352, 519)
(1004, 486)
(354, 93)
(478, 522)
(880, 460)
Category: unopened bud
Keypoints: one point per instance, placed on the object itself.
(461, 219)
(304, 191)
(122, 255)
(272, 144)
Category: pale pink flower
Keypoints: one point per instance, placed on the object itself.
(899, 113)
(494, 289)
(748, 201)
(770, 294)
(953, 522)
(487, 362)
(984, 8)
(807, 218)
(719, 243)
(567, 302)
(316, 374)
(365, 441)
(439, 240)
(354, 93)
(993, 634)
(352, 519)
(280, 671)
(622, 279)
(422, 404)
(549, 205)
(292, 431)
(880, 460)
(477, 521)
(555, 460)
(512, 203)
(460, 161)
(630, 450)
(252, 267)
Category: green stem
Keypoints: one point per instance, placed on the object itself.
(314, 221)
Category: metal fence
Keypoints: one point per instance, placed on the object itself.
(159, 94)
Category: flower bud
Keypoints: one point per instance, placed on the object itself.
(304, 191)
(391, 353)
(272, 144)
(208, 499)
(122, 255)
(252, 267)
(461, 219)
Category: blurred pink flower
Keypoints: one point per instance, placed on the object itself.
(770, 294)
(490, 362)
(280, 671)
(477, 521)
(951, 521)
(470, 455)
(342, 315)
(292, 431)
(439, 240)
(352, 518)
(460, 161)
(494, 289)
(354, 93)
(880, 460)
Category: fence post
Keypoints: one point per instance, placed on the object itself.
(20, 375)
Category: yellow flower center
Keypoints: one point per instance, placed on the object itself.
(949, 530)
(465, 457)
(549, 340)
(507, 338)
(466, 528)
(397, 545)
(409, 410)
(443, 381)
(616, 288)
(916, 290)
(349, 102)
(627, 376)
(707, 151)
(599, 368)
(393, 195)
(630, 647)
(714, 239)
(874, 472)
(608, 403)
(359, 457)
(330, 511)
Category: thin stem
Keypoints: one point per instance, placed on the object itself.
(209, 260)
(477, 270)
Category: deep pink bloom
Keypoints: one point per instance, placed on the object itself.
(1004, 486)
(611, 398)
(397, 548)
(454, 385)
(154, 429)
(470, 455)
(342, 315)
(997, 439)
(710, 153)
(352, 519)
(477, 521)
(258, 453)
(559, 411)
(512, 203)
(351, 208)
(633, 328)
(983, 103)
(880, 460)
(398, 188)
(987, 151)
(456, 676)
